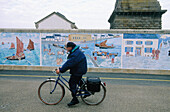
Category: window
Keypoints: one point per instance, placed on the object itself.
(129, 42)
(139, 42)
(148, 50)
(148, 43)
(128, 49)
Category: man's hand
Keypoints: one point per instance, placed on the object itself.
(58, 71)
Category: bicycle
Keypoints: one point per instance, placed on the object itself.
(52, 91)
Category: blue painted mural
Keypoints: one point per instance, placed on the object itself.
(146, 51)
(128, 51)
(20, 48)
(101, 50)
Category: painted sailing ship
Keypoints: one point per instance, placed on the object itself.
(62, 47)
(100, 53)
(12, 46)
(103, 45)
(85, 47)
(30, 45)
(97, 45)
(19, 52)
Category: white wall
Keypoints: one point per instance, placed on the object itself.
(54, 22)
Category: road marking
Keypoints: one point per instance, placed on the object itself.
(85, 77)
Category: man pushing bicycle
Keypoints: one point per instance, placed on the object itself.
(77, 64)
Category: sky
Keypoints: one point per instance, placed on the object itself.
(87, 14)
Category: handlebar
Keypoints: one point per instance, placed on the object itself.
(54, 71)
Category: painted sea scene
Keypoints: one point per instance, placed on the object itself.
(20, 48)
(146, 51)
(129, 51)
(108, 54)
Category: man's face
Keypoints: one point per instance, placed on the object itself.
(69, 49)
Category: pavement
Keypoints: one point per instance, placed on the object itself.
(125, 93)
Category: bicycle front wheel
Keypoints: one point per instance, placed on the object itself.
(94, 98)
(45, 95)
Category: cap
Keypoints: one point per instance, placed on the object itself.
(71, 44)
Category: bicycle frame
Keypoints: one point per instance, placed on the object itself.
(59, 78)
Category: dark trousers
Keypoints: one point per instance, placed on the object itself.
(74, 80)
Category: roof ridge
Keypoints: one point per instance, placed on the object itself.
(58, 14)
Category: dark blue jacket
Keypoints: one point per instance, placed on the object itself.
(76, 62)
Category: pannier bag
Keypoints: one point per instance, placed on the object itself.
(93, 84)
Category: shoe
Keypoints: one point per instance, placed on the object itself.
(73, 102)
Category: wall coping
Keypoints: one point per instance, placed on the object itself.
(102, 70)
(137, 31)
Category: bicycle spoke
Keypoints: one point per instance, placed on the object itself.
(45, 90)
(94, 98)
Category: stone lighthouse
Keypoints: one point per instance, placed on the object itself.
(136, 14)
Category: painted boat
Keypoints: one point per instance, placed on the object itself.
(59, 46)
(105, 53)
(103, 45)
(85, 47)
(106, 47)
(12, 46)
(19, 52)
(97, 45)
(30, 45)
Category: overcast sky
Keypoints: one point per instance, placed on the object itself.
(87, 14)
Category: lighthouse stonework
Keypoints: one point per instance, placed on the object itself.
(136, 14)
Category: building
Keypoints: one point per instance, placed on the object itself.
(55, 20)
(79, 37)
(54, 38)
(136, 14)
(49, 38)
(141, 43)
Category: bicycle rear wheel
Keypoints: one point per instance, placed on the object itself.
(95, 98)
(51, 98)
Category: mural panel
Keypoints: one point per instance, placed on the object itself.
(146, 51)
(101, 50)
(20, 48)
(53, 49)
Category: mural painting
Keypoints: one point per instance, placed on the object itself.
(101, 50)
(107, 50)
(20, 48)
(53, 49)
(129, 51)
(146, 51)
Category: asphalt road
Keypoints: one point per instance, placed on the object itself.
(125, 93)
